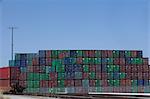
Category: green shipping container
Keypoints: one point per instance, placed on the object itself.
(32, 90)
(116, 53)
(116, 68)
(12, 63)
(52, 90)
(98, 83)
(110, 61)
(97, 53)
(91, 60)
(110, 82)
(127, 53)
(134, 83)
(54, 54)
(61, 83)
(98, 89)
(33, 84)
(134, 89)
(122, 75)
(110, 75)
(92, 75)
(85, 68)
(44, 76)
(29, 62)
(33, 76)
(85, 60)
(23, 69)
(61, 76)
(60, 68)
(117, 83)
(50, 69)
(56, 62)
(110, 68)
(79, 53)
(97, 60)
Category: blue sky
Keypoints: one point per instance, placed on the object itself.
(74, 24)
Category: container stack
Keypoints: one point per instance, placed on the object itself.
(22, 61)
(83, 71)
(9, 76)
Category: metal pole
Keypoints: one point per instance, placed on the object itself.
(12, 41)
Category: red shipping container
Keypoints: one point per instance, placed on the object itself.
(36, 69)
(92, 83)
(61, 55)
(133, 53)
(116, 61)
(23, 76)
(140, 68)
(128, 69)
(53, 75)
(69, 83)
(149, 76)
(145, 75)
(122, 82)
(98, 75)
(92, 68)
(86, 53)
(139, 76)
(14, 73)
(85, 75)
(14, 82)
(140, 89)
(48, 61)
(122, 68)
(104, 83)
(30, 68)
(104, 76)
(91, 53)
(128, 82)
(145, 61)
(35, 61)
(78, 83)
(52, 84)
(23, 83)
(4, 83)
(134, 68)
(134, 76)
(104, 53)
(128, 75)
(109, 53)
(44, 83)
(79, 60)
(48, 53)
(5, 73)
(146, 68)
(116, 89)
(122, 61)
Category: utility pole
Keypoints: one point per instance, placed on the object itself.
(12, 40)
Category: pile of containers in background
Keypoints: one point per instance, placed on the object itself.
(83, 71)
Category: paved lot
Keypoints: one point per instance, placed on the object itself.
(38, 97)
(25, 97)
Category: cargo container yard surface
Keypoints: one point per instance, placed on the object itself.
(82, 72)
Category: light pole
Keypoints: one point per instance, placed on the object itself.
(12, 41)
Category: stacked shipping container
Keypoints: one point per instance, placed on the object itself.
(83, 71)
(8, 77)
